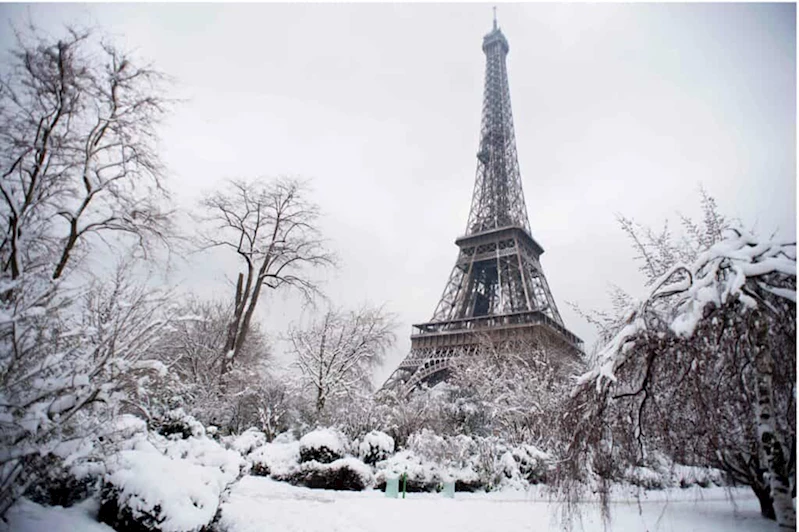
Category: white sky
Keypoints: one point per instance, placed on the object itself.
(618, 109)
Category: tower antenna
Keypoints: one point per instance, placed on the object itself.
(495, 17)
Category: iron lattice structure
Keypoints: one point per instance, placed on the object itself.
(497, 288)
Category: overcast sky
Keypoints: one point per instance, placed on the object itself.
(618, 109)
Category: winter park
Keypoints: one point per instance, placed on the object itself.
(228, 299)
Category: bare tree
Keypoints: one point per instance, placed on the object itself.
(656, 253)
(271, 226)
(190, 349)
(336, 353)
(512, 388)
(77, 151)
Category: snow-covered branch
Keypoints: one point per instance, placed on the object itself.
(336, 353)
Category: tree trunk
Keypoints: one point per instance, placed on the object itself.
(320, 401)
(763, 494)
(776, 464)
(233, 328)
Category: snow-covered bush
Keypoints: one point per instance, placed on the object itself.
(278, 459)
(422, 474)
(469, 462)
(670, 476)
(247, 441)
(178, 424)
(646, 478)
(62, 486)
(74, 365)
(704, 477)
(348, 474)
(73, 470)
(158, 484)
(477, 463)
(323, 445)
(508, 472)
(375, 447)
(533, 463)
(430, 445)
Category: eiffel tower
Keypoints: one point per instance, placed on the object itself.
(497, 288)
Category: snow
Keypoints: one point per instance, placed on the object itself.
(349, 462)
(375, 446)
(280, 458)
(409, 462)
(717, 275)
(247, 441)
(256, 504)
(379, 440)
(27, 516)
(324, 437)
(178, 481)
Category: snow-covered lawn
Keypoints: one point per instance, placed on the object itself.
(257, 504)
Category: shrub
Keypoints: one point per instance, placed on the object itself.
(704, 477)
(323, 445)
(423, 475)
(662, 474)
(460, 459)
(345, 474)
(375, 447)
(533, 463)
(62, 486)
(73, 470)
(466, 479)
(277, 459)
(646, 477)
(247, 441)
(167, 485)
(177, 424)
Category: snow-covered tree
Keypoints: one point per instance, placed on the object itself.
(337, 353)
(658, 252)
(271, 226)
(77, 165)
(77, 152)
(703, 369)
(655, 253)
(190, 349)
(513, 388)
(400, 415)
(71, 361)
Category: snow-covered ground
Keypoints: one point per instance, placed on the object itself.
(260, 504)
(257, 504)
(27, 516)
